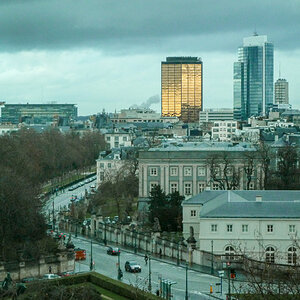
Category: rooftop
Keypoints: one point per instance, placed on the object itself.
(244, 204)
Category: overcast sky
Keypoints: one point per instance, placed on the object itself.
(107, 54)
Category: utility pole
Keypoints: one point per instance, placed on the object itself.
(120, 275)
(186, 282)
(104, 241)
(212, 257)
(91, 264)
(53, 217)
(229, 292)
(178, 254)
(149, 284)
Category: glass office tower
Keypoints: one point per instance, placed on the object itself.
(253, 78)
(181, 88)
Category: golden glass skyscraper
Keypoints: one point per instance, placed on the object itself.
(181, 88)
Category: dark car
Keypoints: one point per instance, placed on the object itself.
(133, 267)
(113, 251)
(29, 279)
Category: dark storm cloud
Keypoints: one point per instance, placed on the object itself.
(139, 26)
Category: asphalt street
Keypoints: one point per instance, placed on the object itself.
(198, 283)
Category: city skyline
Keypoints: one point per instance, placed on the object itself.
(107, 55)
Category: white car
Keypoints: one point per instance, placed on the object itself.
(51, 276)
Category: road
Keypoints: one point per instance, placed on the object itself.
(64, 198)
(198, 283)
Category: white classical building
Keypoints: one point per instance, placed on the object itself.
(263, 225)
(117, 138)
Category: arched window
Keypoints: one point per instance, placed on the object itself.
(270, 255)
(292, 255)
(229, 253)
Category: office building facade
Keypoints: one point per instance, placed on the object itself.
(253, 78)
(61, 114)
(211, 115)
(182, 88)
(281, 91)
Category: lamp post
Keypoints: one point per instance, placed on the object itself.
(135, 236)
(178, 261)
(120, 275)
(91, 264)
(186, 282)
(76, 222)
(53, 217)
(104, 240)
(212, 257)
(149, 284)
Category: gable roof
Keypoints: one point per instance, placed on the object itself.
(243, 204)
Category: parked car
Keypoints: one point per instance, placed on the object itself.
(51, 276)
(113, 251)
(66, 274)
(133, 267)
(29, 279)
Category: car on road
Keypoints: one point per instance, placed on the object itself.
(66, 274)
(113, 251)
(133, 267)
(51, 276)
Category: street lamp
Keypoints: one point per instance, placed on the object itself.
(91, 264)
(120, 275)
(178, 261)
(104, 240)
(135, 236)
(186, 282)
(212, 258)
(149, 283)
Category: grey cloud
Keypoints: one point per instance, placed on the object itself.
(150, 101)
(142, 26)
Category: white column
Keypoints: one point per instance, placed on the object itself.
(167, 186)
(180, 180)
(162, 178)
(145, 181)
(194, 180)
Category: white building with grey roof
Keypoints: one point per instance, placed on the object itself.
(263, 225)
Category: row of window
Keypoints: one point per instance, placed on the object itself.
(108, 138)
(245, 227)
(102, 165)
(188, 187)
(269, 254)
(187, 171)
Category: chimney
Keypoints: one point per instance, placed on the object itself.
(258, 198)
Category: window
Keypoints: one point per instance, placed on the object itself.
(109, 165)
(108, 138)
(193, 213)
(101, 165)
(187, 188)
(229, 171)
(101, 176)
(214, 227)
(116, 138)
(251, 186)
(292, 228)
(116, 144)
(173, 171)
(153, 171)
(244, 228)
(201, 187)
(173, 187)
(215, 186)
(292, 255)
(229, 253)
(124, 138)
(270, 255)
(152, 185)
(229, 228)
(187, 171)
(201, 171)
(269, 228)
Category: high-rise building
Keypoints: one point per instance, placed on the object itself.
(253, 77)
(281, 91)
(181, 88)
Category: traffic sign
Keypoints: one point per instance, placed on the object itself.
(221, 273)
